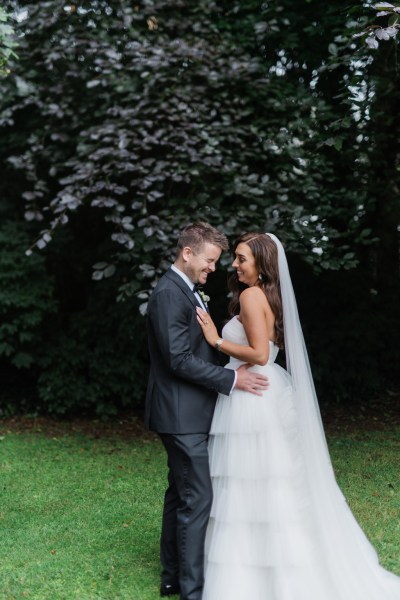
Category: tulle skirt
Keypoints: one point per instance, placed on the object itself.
(280, 528)
(260, 542)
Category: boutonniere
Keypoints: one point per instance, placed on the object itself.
(204, 297)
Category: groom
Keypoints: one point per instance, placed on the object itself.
(184, 380)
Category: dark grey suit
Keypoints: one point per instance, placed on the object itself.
(184, 380)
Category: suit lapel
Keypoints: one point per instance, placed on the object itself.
(183, 286)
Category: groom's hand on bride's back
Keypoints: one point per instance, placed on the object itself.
(250, 382)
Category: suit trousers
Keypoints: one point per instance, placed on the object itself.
(187, 506)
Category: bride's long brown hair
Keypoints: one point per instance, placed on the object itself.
(265, 255)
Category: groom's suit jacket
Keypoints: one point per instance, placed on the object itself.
(185, 376)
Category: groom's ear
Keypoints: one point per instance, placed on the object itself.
(186, 253)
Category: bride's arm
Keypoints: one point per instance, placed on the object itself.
(254, 315)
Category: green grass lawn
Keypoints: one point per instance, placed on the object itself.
(80, 517)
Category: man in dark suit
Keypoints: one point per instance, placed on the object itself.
(185, 378)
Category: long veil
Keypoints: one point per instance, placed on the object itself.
(350, 559)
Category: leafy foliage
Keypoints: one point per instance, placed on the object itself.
(155, 112)
(95, 365)
(7, 42)
(351, 334)
(120, 122)
(376, 33)
(26, 297)
(78, 353)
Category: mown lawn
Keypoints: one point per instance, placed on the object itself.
(80, 517)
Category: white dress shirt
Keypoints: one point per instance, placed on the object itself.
(189, 283)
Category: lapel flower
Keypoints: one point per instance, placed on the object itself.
(204, 297)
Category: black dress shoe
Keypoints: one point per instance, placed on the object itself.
(169, 590)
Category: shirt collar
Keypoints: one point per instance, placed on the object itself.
(184, 276)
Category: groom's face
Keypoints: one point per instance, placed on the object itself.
(200, 264)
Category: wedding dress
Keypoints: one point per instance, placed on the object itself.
(280, 528)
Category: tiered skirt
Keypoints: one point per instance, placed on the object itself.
(260, 544)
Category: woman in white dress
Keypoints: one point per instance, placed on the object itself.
(280, 528)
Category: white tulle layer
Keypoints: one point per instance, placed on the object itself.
(263, 541)
(260, 543)
(255, 583)
(280, 528)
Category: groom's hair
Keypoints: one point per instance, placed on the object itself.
(199, 233)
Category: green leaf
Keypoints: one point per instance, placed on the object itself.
(394, 20)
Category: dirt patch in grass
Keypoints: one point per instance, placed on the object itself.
(378, 415)
(126, 427)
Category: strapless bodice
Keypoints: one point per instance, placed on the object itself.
(235, 332)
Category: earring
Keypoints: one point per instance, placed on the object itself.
(260, 277)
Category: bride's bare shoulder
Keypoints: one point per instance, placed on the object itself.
(253, 298)
(252, 294)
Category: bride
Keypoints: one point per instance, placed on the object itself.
(280, 528)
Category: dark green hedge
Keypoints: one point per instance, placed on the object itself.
(121, 122)
(66, 345)
(68, 348)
